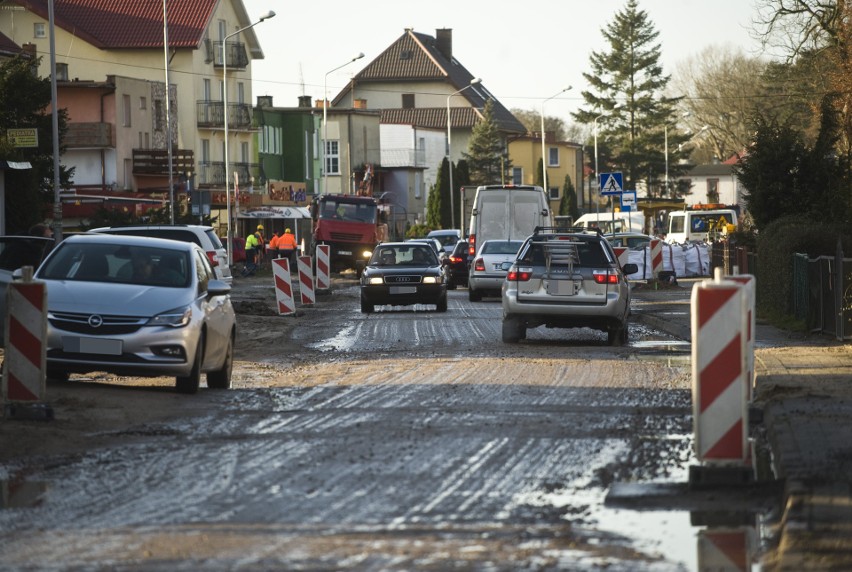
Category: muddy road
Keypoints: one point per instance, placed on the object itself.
(399, 440)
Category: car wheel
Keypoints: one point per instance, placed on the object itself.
(451, 285)
(512, 330)
(442, 304)
(221, 378)
(190, 383)
(617, 336)
(474, 295)
(366, 307)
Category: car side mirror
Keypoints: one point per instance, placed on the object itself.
(630, 268)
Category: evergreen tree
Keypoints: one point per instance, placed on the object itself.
(568, 202)
(487, 156)
(627, 85)
(461, 179)
(24, 98)
(433, 201)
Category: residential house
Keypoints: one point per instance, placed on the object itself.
(713, 183)
(115, 48)
(414, 82)
(563, 159)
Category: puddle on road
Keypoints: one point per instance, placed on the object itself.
(344, 341)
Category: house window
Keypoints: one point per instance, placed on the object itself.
(712, 190)
(125, 100)
(39, 31)
(553, 193)
(206, 89)
(244, 152)
(406, 54)
(143, 103)
(553, 157)
(332, 158)
(61, 72)
(241, 92)
(205, 150)
(408, 101)
(517, 176)
(159, 115)
(147, 140)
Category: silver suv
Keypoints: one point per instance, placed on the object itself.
(566, 278)
(203, 236)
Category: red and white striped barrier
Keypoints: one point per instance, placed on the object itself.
(323, 267)
(26, 333)
(726, 549)
(306, 281)
(656, 251)
(718, 370)
(749, 288)
(283, 286)
(622, 253)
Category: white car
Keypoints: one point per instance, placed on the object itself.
(448, 237)
(203, 236)
(489, 267)
(137, 306)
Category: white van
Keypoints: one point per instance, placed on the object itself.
(700, 224)
(622, 221)
(507, 212)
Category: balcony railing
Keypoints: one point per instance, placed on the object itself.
(212, 173)
(156, 161)
(211, 114)
(403, 157)
(234, 51)
(82, 135)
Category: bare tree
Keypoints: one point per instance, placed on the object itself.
(722, 88)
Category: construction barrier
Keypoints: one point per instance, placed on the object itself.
(622, 253)
(656, 247)
(728, 549)
(750, 287)
(306, 281)
(26, 334)
(719, 329)
(323, 267)
(283, 287)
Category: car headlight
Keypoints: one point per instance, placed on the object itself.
(176, 318)
(376, 280)
(430, 279)
(367, 254)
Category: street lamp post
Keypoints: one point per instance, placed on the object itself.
(597, 173)
(543, 158)
(666, 153)
(325, 120)
(473, 82)
(266, 16)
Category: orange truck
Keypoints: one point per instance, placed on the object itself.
(348, 224)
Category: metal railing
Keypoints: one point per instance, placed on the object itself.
(822, 293)
(212, 114)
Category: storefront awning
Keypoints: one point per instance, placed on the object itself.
(271, 212)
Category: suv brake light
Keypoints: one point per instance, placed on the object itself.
(214, 260)
(519, 274)
(605, 277)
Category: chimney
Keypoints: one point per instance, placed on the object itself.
(444, 41)
(304, 101)
(264, 101)
(360, 104)
(29, 49)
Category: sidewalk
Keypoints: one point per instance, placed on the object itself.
(804, 388)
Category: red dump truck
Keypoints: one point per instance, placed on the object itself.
(348, 224)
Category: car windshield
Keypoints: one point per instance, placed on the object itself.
(414, 255)
(140, 265)
(501, 247)
(352, 212)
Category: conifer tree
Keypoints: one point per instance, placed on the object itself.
(568, 202)
(487, 157)
(627, 85)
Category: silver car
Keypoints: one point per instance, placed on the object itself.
(137, 306)
(566, 280)
(489, 267)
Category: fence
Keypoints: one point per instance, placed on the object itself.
(822, 293)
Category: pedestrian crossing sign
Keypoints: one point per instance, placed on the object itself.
(610, 184)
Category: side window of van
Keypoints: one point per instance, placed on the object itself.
(676, 224)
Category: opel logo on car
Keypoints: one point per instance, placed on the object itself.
(96, 321)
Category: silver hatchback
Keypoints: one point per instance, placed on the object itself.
(137, 306)
(566, 279)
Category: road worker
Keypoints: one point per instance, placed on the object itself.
(254, 249)
(287, 247)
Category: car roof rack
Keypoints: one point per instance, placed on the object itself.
(566, 229)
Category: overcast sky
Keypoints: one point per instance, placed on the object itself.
(523, 55)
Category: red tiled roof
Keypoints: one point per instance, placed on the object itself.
(117, 24)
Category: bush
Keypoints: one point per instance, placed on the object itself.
(776, 245)
(418, 231)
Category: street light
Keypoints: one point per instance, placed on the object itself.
(473, 82)
(543, 159)
(325, 120)
(266, 16)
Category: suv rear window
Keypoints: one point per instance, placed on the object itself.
(580, 252)
(214, 239)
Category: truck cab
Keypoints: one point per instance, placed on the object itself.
(347, 224)
(701, 223)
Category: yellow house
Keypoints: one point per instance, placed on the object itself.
(564, 158)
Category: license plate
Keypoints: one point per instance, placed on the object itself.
(403, 289)
(561, 287)
(345, 252)
(100, 346)
(498, 266)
